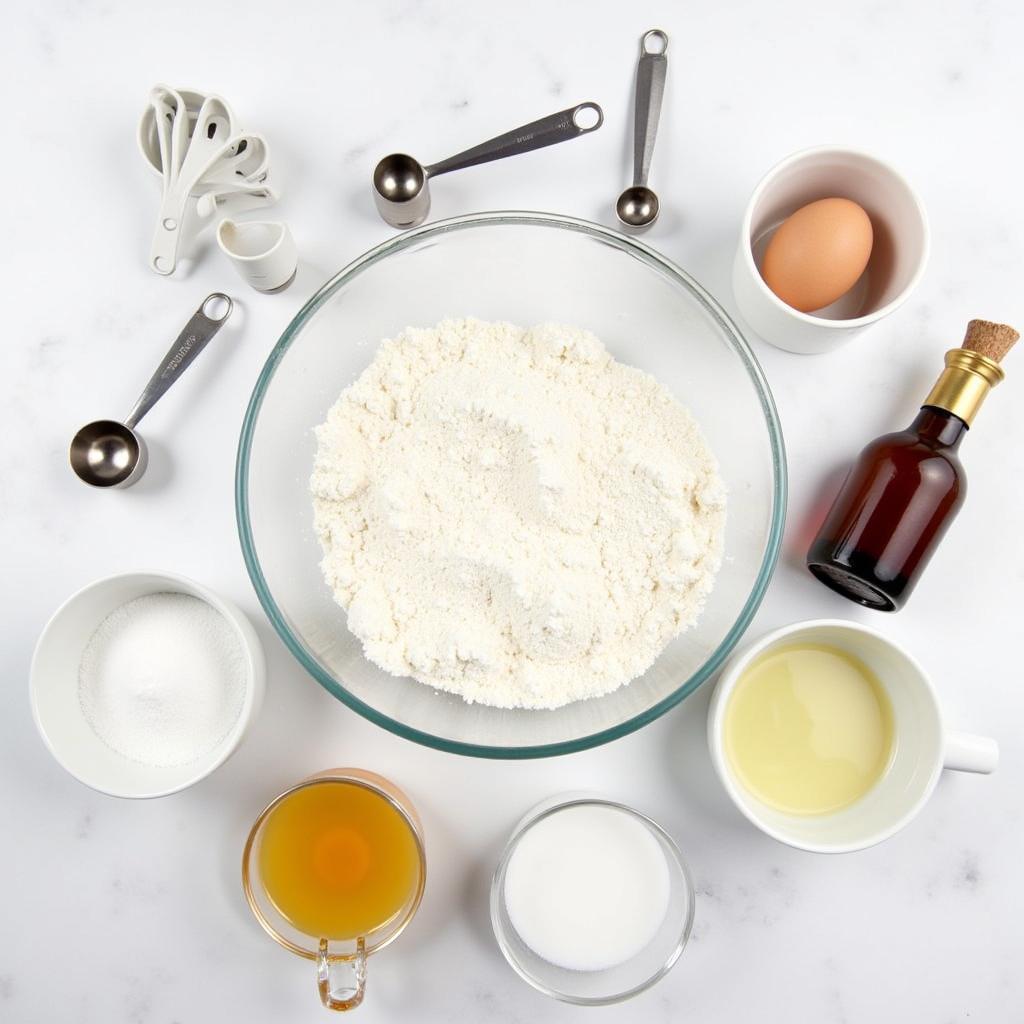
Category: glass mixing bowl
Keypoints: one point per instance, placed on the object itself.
(526, 268)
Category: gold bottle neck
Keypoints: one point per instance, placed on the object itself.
(964, 383)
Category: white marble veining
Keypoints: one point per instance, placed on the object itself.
(117, 911)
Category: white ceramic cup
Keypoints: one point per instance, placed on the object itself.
(923, 746)
(263, 252)
(898, 256)
(57, 709)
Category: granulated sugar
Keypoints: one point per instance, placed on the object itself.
(162, 680)
(587, 887)
(512, 515)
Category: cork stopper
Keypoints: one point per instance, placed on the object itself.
(991, 340)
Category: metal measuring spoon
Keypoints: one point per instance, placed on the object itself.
(400, 182)
(638, 206)
(106, 453)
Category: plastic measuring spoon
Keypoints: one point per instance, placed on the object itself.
(172, 123)
(233, 160)
(248, 197)
(245, 164)
(209, 133)
(146, 134)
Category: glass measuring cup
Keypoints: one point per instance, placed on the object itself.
(331, 955)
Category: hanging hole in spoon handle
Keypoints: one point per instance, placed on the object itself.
(547, 131)
(654, 42)
(197, 333)
(587, 117)
(217, 307)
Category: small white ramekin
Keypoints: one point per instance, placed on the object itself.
(57, 710)
(898, 258)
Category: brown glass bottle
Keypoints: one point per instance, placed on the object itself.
(892, 511)
(905, 488)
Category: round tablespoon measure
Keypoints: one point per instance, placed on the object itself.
(400, 182)
(106, 453)
(638, 206)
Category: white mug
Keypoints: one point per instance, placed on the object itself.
(898, 256)
(923, 746)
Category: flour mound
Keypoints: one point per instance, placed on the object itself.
(513, 516)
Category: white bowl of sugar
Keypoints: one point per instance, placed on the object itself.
(144, 683)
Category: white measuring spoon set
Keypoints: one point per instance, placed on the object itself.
(193, 142)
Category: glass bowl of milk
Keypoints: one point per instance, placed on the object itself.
(591, 902)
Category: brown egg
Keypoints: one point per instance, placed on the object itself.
(817, 253)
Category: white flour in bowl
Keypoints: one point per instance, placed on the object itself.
(513, 516)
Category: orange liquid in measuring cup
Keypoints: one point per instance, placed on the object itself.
(338, 860)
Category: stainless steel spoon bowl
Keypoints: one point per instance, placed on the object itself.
(106, 453)
(400, 183)
(400, 189)
(638, 206)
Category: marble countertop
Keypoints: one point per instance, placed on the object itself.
(132, 911)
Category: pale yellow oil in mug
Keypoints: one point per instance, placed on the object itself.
(808, 729)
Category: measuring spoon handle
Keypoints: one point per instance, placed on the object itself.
(163, 251)
(547, 131)
(192, 340)
(650, 88)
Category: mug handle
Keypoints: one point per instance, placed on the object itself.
(346, 998)
(965, 752)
